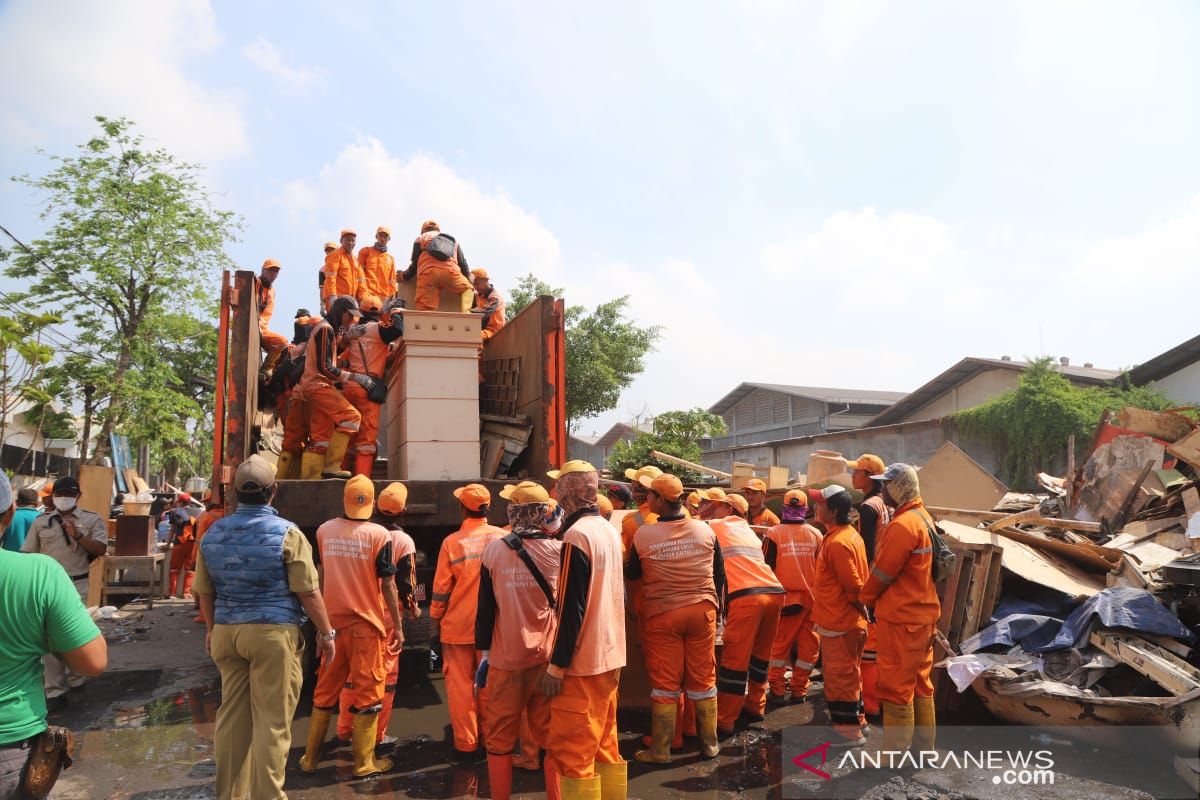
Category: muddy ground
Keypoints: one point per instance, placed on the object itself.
(145, 732)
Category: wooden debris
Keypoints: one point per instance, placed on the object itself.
(1164, 425)
(1189, 770)
(693, 466)
(952, 478)
(968, 598)
(1187, 449)
(1091, 557)
(1031, 564)
(942, 512)
(510, 434)
(1159, 665)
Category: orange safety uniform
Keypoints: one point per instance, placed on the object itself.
(343, 275)
(269, 340)
(434, 276)
(454, 603)
(589, 648)
(203, 523)
(327, 408)
(494, 320)
(515, 625)
(790, 549)
(404, 552)
(841, 572)
(873, 517)
(355, 555)
(902, 592)
(378, 272)
(765, 518)
(367, 355)
(679, 564)
(754, 597)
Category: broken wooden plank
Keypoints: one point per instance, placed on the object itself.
(1031, 564)
(991, 516)
(1027, 517)
(690, 465)
(1191, 501)
(1159, 665)
(1187, 449)
(1127, 508)
(1091, 557)
(1163, 425)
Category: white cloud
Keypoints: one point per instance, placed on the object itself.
(1168, 250)
(67, 62)
(266, 56)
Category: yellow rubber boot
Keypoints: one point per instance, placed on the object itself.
(581, 788)
(311, 465)
(333, 459)
(362, 744)
(318, 724)
(662, 730)
(897, 726)
(288, 466)
(706, 727)
(614, 780)
(925, 724)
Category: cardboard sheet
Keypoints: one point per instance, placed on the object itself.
(1030, 564)
(952, 478)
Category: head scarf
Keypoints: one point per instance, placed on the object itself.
(528, 518)
(794, 513)
(577, 490)
(904, 488)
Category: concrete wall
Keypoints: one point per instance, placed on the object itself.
(968, 394)
(911, 442)
(1182, 387)
(767, 416)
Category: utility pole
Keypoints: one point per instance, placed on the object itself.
(89, 393)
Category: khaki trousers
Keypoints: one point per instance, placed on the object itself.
(260, 687)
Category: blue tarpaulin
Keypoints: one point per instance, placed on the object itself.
(1116, 607)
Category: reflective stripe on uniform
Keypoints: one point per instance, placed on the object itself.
(804, 665)
(735, 551)
(922, 551)
(826, 633)
(706, 694)
(439, 598)
(775, 663)
(664, 693)
(467, 557)
(883, 576)
(758, 670)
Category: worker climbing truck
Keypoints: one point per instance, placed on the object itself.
(453, 415)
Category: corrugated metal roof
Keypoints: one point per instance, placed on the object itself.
(823, 393)
(1164, 364)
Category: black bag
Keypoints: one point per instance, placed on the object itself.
(514, 542)
(942, 563)
(441, 247)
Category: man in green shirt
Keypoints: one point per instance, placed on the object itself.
(40, 613)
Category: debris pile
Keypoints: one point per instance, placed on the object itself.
(1081, 605)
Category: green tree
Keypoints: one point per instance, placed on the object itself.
(676, 433)
(1031, 424)
(25, 386)
(130, 258)
(605, 350)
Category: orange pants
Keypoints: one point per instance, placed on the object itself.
(905, 661)
(513, 696)
(530, 756)
(391, 668)
(295, 423)
(841, 658)
(750, 625)
(357, 667)
(680, 649)
(583, 724)
(271, 342)
(459, 662)
(366, 440)
(432, 279)
(797, 630)
(328, 409)
(870, 671)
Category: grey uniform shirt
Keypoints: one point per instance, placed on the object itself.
(47, 535)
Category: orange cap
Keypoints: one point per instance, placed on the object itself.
(370, 303)
(575, 465)
(694, 498)
(528, 492)
(474, 496)
(873, 464)
(795, 497)
(330, 246)
(270, 263)
(715, 494)
(383, 229)
(666, 486)
(605, 505)
(358, 497)
(393, 500)
(347, 232)
(739, 503)
(430, 225)
(479, 272)
(507, 492)
(636, 474)
(755, 485)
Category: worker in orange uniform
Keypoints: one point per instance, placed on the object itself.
(514, 630)
(389, 506)
(357, 572)
(272, 343)
(289, 400)
(678, 563)
(582, 679)
(453, 607)
(606, 507)
(329, 248)
(790, 549)
(755, 492)
(488, 303)
(643, 515)
(214, 510)
(753, 599)
(366, 353)
(873, 517)
(438, 264)
(838, 616)
(378, 267)
(332, 420)
(695, 499)
(343, 275)
(902, 592)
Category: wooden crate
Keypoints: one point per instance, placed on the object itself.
(135, 535)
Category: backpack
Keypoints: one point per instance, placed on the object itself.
(441, 247)
(944, 559)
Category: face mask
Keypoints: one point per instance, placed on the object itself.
(64, 504)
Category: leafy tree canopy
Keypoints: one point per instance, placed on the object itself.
(676, 433)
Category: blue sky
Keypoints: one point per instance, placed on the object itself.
(850, 194)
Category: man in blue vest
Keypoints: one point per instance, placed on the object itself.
(256, 582)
